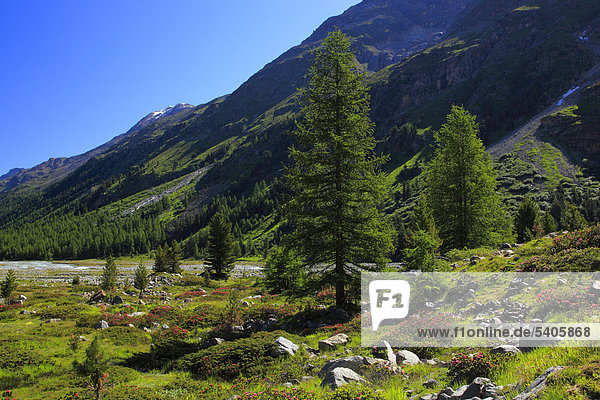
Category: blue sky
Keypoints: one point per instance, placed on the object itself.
(74, 74)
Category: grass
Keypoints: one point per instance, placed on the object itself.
(36, 359)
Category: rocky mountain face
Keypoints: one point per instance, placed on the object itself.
(504, 61)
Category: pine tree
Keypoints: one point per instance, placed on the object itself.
(9, 285)
(336, 183)
(461, 186)
(160, 259)
(109, 275)
(423, 238)
(525, 219)
(173, 259)
(549, 225)
(140, 280)
(94, 367)
(220, 246)
(571, 219)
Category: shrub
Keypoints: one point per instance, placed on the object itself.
(589, 237)
(465, 367)
(125, 336)
(283, 271)
(265, 311)
(354, 392)
(230, 359)
(69, 311)
(279, 394)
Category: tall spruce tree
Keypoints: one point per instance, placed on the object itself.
(220, 246)
(335, 179)
(461, 186)
(8, 286)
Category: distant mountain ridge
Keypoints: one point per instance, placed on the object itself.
(56, 168)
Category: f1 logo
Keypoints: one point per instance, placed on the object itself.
(389, 300)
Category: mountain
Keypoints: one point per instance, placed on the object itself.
(528, 71)
(56, 168)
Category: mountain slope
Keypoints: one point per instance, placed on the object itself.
(55, 169)
(505, 61)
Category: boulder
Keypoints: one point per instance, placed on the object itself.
(22, 297)
(352, 362)
(406, 357)
(430, 383)
(339, 377)
(333, 342)
(538, 384)
(102, 325)
(283, 346)
(98, 296)
(117, 300)
(504, 349)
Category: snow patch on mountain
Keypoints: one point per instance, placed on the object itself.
(157, 115)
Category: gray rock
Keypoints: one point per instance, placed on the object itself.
(391, 355)
(504, 349)
(428, 397)
(283, 346)
(333, 342)
(353, 363)
(538, 384)
(117, 300)
(22, 297)
(53, 320)
(165, 327)
(339, 377)
(288, 385)
(430, 383)
(24, 312)
(406, 357)
(102, 325)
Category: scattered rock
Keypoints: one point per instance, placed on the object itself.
(283, 346)
(22, 297)
(24, 312)
(353, 362)
(406, 357)
(102, 325)
(165, 327)
(339, 377)
(333, 342)
(98, 296)
(430, 383)
(504, 349)
(538, 384)
(53, 320)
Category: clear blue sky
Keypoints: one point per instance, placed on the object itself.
(74, 74)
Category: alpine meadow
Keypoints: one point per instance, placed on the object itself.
(216, 251)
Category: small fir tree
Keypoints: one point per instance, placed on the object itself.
(525, 219)
(220, 246)
(284, 272)
(174, 259)
(109, 275)
(160, 259)
(94, 367)
(549, 225)
(9, 285)
(140, 280)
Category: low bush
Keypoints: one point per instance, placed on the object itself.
(279, 394)
(230, 359)
(68, 311)
(354, 392)
(466, 367)
(125, 336)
